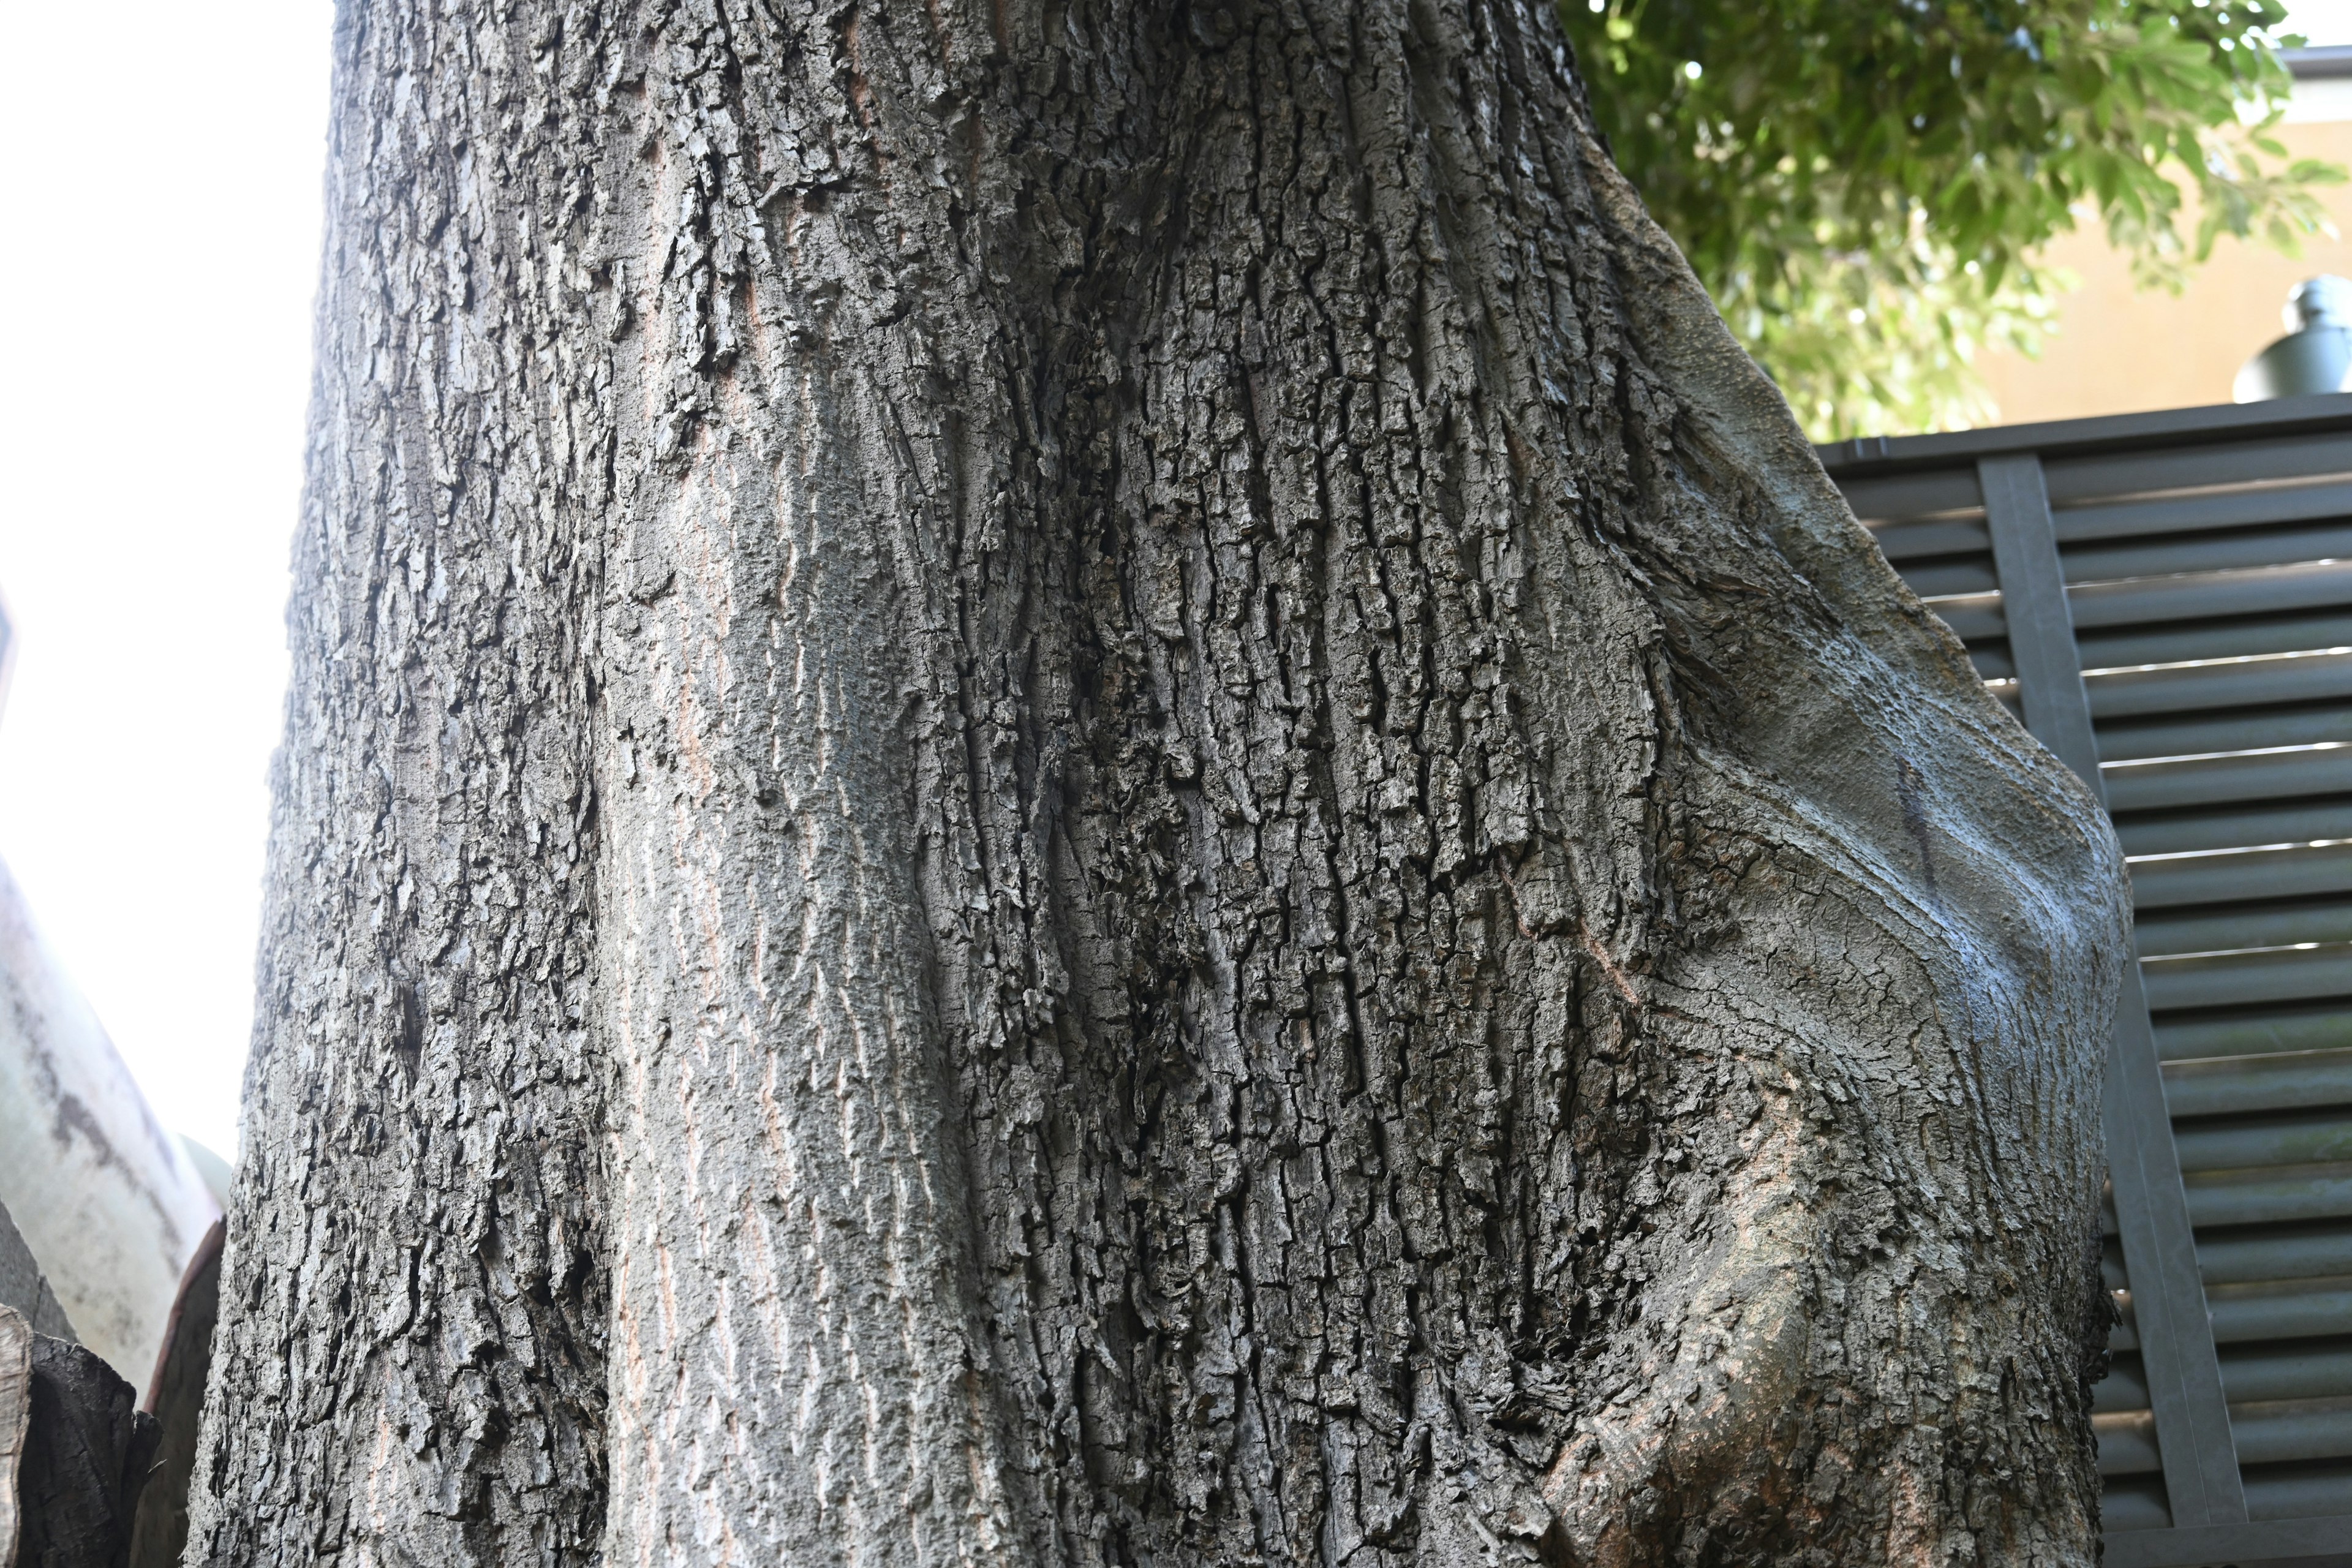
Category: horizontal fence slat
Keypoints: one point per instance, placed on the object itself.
(2255, 729)
(2240, 829)
(2162, 935)
(2283, 1140)
(1929, 579)
(2168, 427)
(2139, 600)
(2126, 1442)
(2211, 595)
(2207, 552)
(2073, 481)
(2324, 769)
(2134, 1503)
(2195, 513)
(2271, 1195)
(2222, 1086)
(2293, 678)
(2225, 640)
(2248, 979)
(2284, 1431)
(2306, 1494)
(1946, 536)
(1900, 496)
(2124, 1388)
(1973, 618)
(2300, 871)
(2297, 1310)
(2298, 1031)
(2248, 1373)
(2274, 1252)
(2293, 1371)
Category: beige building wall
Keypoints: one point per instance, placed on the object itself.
(2119, 350)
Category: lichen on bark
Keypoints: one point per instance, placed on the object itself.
(1090, 784)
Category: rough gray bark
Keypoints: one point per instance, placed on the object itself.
(1089, 783)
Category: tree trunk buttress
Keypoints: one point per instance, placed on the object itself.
(1090, 784)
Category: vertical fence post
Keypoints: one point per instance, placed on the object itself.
(2202, 1482)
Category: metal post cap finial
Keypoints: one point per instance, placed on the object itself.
(2325, 301)
(2316, 356)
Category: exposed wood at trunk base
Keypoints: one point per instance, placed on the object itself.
(15, 1418)
(23, 1287)
(1090, 784)
(175, 1399)
(84, 1455)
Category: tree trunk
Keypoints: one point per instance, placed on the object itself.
(1090, 783)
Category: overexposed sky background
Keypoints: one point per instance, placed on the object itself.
(158, 237)
(160, 169)
(2321, 21)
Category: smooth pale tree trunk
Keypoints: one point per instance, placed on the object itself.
(1089, 783)
(105, 1207)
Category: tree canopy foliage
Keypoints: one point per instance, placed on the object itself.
(1864, 185)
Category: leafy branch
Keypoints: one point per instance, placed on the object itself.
(1866, 187)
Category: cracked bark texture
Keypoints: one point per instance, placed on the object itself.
(1089, 783)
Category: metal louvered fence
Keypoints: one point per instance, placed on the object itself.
(2166, 600)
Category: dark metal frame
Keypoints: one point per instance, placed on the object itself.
(2318, 64)
(2201, 1476)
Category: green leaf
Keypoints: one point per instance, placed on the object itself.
(1909, 160)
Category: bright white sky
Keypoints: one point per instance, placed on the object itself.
(158, 247)
(159, 236)
(2321, 21)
